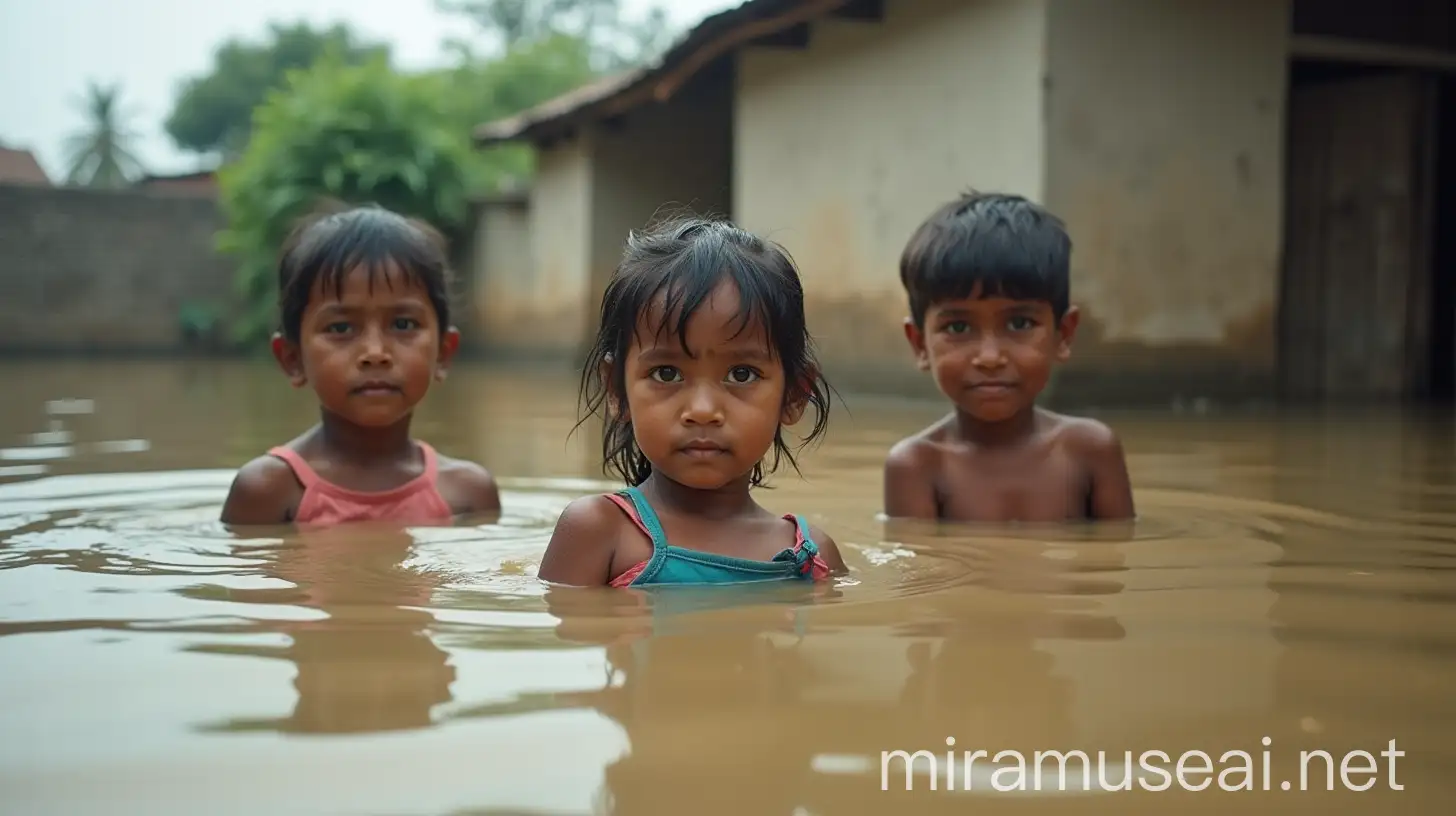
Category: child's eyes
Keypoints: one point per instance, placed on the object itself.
(742, 375)
(1017, 323)
(397, 324)
(738, 375)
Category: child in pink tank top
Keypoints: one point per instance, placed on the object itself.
(366, 323)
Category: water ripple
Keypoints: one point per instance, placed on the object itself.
(127, 535)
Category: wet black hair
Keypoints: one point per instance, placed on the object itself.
(333, 241)
(683, 260)
(1008, 245)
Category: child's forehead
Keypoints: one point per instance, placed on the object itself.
(367, 282)
(702, 330)
(719, 320)
(980, 302)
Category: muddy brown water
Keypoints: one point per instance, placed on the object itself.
(1290, 580)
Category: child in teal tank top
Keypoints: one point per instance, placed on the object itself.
(701, 359)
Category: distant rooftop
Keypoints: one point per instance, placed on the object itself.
(716, 35)
(20, 167)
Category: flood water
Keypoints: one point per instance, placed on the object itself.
(1290, 579)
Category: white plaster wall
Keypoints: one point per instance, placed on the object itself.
(842, 148)
(660, 159)
(1165, 157)
(1164, 139)
(553, 317)
(590, 192)
(502, 276)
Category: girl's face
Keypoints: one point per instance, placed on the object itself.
(705, 419)
(371, 353)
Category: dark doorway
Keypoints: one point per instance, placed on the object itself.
(1443, 290)
(1366, 309)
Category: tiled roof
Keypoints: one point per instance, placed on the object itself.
(715, 36)
(20, 167)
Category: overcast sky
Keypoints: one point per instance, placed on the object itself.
(50, 49)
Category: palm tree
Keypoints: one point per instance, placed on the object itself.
(101, 156)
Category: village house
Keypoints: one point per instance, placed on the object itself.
(1251, 185)
(199, 184)
(20, 167)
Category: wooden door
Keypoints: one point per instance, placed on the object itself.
(1354, 305)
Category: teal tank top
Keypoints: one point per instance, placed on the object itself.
(670, 564)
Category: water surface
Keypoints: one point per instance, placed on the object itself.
(1290, 579)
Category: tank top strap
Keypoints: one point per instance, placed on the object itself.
(309, 477)
(302, 470)
(432, 461)
(802, 539)
(635, 504)
(806, 552)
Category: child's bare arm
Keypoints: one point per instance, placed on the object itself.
(469, 487)
(583, 543)
(909, 490)
(264, 491)
(1111, 485)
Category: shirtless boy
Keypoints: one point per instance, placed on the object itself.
(986, 277)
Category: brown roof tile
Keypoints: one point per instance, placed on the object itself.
(20, 167)
(715, 36)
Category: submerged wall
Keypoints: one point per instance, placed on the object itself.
(658, 161)
(843, 147)
(540, 273)
(545, 313)
(1165, 132)
(499, 271)
(1154, 129)
(105, 271)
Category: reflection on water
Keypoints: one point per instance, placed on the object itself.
(1290, 579)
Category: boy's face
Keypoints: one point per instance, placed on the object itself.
(371, 353)
(704, 420)
(991, 356)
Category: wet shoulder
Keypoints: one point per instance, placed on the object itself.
(468, 486)
(828, 549)
(1083, 437)
(584, 546)
(267, 475)
(592, 519)
(920, 452)
(265, 490)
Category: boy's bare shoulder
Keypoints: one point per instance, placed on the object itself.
(1087, 437)
(920, 451)
(1098, 450)
(264, 491)
(470, 482)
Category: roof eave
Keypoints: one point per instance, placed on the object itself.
(657, 83)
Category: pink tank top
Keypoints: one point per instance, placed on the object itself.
(417, 501)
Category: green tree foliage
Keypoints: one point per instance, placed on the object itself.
(360, 133)
(526, 75)
(101, 154)
(614, 41)
(340, 129)
(214, 112)
(483, 90)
